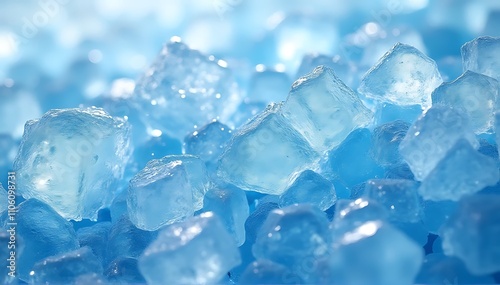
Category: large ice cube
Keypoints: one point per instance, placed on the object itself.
(72, 159)
(265, 154)
(403, 76)
(431, 136)
(183, 89)
(474, 93)
(463, 171)
(323, 109)
(472, 234)
(196, 251)
(482, 55)
(167, 190)
(386, 139)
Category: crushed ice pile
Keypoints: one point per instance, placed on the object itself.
(351, 142)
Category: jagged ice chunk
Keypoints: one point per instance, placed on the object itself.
(482, 55)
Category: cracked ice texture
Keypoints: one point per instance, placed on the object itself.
(403, 76)
(323, 109)
(184, 88)
(482, 55)
(72, 159)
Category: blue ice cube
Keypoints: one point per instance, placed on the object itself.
(208, 142)
(44, 232)
(196, 251)
(124, 270)
(386, 139)
(297, 237)
(403, 76)
(268, 272)
(72, 159)
(265, 154)
(66, 267)
(436, 213)
(343, 69)
(398, 196)
(376, 253)
(351, 214)
(230, 204)
(351, 162)
(95, 237)
(471, 234)
(183, 89)
(387, 112)
(475, 94)
(463, 171)
(268, 86)
(175, 183)
(154, 148)
(310, 187)
(118, 207)
(431, 136)
(323, 109)
(481, 55)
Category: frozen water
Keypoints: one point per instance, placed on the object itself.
(119, 206)
(403, 76)
(323, 109)
(124, 270)
(208, 142)
(398, 196)
(155, 148)
(343, 69)
(436, 213)
(246, 111)
(310, 187)
(481, 55)
(471, 234)
(96, 238)
(66, 268)
(183, 89)
(463, 171)
(176, 183)
(386, 139)
(431, 136)
(352, 214)
(170, 256)
(376, 253)
(230, 204)
(268, 86)
(387, 112)
(72, 159)
(268, 272)
(44, 232)
(265, 154)
(473, 93)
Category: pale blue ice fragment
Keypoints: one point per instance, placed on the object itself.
(196, 251)
(295, 236)
(311, 188)
(167, 190)
(4, 200)
(471, 234)
(463, 171)
(351, 162)
(473, 93)
(345, 70)
(431, 136)
(350, 214)
(386, 139)
(436, 213)
(267, 272)
(44, 233)
(403, 76)
(184, 88)
(230, 204)
(376, 253)
(265, 154)
(399, 197)
(481, 55)
(387, 112)
(96, 238)
(126, 240)
(65, 268)
(438, 268)
(324, 110)
(118, 207)
(124, 270)
(208, 142)
(268, 86)
(72, 159)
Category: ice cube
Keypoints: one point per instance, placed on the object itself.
(403, 76)
(66, 267)
(431, 136)
(463, 171)
(310, 187)
(265, 154)
(473, 93)
(170, 258)
(436, 213)
(124, 270)
(183, 89)
(387, 112)
(323, 109)
(481, 55)
(208, 142)
(167, 190)
(268, 272)
(345, 70)
(352, 214)
(72, 159)
(386, 140)
(471, 234)
(96, 238)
